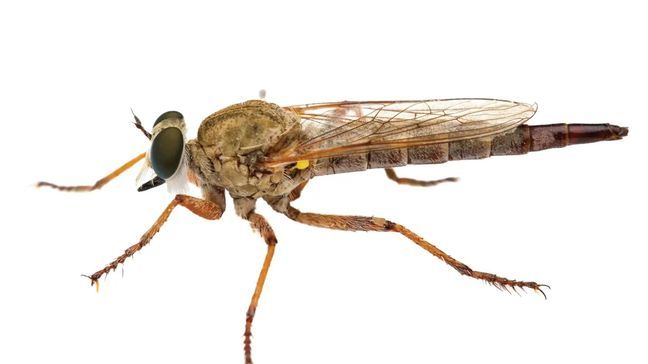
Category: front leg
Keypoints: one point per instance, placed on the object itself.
(362, 223)
(97, 185)
(203, 208)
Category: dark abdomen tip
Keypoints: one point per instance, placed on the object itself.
(590, 133)
(620, 131)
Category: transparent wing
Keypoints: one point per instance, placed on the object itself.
(342, 128)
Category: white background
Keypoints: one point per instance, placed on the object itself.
(573, 218)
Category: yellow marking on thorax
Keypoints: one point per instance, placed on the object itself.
(303, 164)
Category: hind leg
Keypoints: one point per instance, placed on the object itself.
(361, 223)
(391, 174)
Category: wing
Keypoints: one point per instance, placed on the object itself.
(342, 128)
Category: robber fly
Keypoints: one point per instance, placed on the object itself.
(260, 150)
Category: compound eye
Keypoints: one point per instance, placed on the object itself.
(166, 151)
(168, 115)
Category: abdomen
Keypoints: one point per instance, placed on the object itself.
(521, 140)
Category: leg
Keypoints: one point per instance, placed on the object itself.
(296, 193)
(360, 223)
(97, 184)
(108, 178)
(391, 174)
(203, 208)
(259, 223)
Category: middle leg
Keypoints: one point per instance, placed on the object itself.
(245, 209)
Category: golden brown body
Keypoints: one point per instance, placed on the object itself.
(259, 150)
(232, 140)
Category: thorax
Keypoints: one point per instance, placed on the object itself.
(231, 141)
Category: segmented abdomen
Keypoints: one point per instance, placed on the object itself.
(521, 140)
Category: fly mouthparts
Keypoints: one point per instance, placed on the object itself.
(157, 181)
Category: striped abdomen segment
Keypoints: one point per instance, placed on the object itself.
(521, 140)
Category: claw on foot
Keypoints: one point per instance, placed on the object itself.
(93, 281)
(504, 284)
(539, 288)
